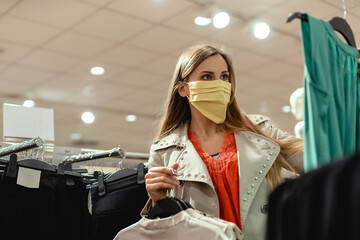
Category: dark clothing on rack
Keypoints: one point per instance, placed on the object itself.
(56, 210)
(322, 204)
(118, 203)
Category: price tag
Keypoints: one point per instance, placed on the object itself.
(29, 178)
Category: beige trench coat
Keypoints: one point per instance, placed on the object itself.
(256, 155)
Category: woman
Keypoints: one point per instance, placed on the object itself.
(210, 153)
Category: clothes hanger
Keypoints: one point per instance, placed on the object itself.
(165, 208)
(337, 23)
(122, 173)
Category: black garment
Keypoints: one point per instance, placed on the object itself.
(323, 204)
(56, 210)
(118, 201)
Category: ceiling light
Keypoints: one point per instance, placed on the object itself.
(75, 136)
(221, 20)
(261, 30)
(29, 103)
(202, 21)
(131, 118)
(88, 117)
(286, 109)
(97, 71)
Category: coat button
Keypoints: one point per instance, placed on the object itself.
(265, 209)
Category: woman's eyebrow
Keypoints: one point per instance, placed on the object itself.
(209, 72)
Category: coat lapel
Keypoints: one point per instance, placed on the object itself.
(256, 155)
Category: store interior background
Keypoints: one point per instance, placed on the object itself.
(48, 47)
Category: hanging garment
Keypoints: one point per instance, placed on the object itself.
(187, 224)
(55, 209)
(117, 201)
(322, 204)
(332, 95)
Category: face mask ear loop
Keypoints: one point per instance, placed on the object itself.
(185, 81)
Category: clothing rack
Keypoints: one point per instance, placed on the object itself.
(115, 152)
(23, 146)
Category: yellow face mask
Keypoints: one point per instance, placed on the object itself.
(211, 98)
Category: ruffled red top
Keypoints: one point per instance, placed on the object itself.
(224, 174)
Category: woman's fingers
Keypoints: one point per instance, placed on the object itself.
(163, 170)
(158, 179)
(155, 178)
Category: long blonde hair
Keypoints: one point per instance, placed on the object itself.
(177, 110)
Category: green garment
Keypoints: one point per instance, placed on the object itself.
(332, 95)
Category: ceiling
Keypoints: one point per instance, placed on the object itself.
(47, 48)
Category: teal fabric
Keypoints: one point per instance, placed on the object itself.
(332, 95)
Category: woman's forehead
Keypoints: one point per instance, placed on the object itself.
(214, 63)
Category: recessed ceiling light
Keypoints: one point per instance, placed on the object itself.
(88, 117)
(131, 118)
(75, 136)
(221, 20)
(97, 71)
(202, 21)
(29, 103)
(261, 30)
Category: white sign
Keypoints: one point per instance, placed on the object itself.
(25, 122)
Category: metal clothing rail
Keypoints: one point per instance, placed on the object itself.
(115, 152)
(23, 146)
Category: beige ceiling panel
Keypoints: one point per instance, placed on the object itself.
(151, 97)
(12, 51)
(3, 65)
(163, 40)
(11, 89)
(5, 5)
(237, 34)
(51, 94)
(277, 46)
(25, 75)
(61, 13)
(85, 101)
(122, 106)
(164, 66)
(277, 70)
(112, 25)
(69, 83)
(106, 91)
(161, 86)
(152, 10)
(78, 44)
(246, 81)
(296, 57)
(98, 2)
(83, 70)
(246, 8)
(185, 21)
(127, 56)
(277, 16)
(24, 31)
(136, 78)
(243, 60)
(49, 60)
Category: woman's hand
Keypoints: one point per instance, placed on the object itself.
(160, 179)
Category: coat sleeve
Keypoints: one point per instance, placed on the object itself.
(267, 125)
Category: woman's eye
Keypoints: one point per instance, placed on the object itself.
(206, 77)
(224, 77)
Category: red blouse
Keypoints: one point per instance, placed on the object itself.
(224, 174)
